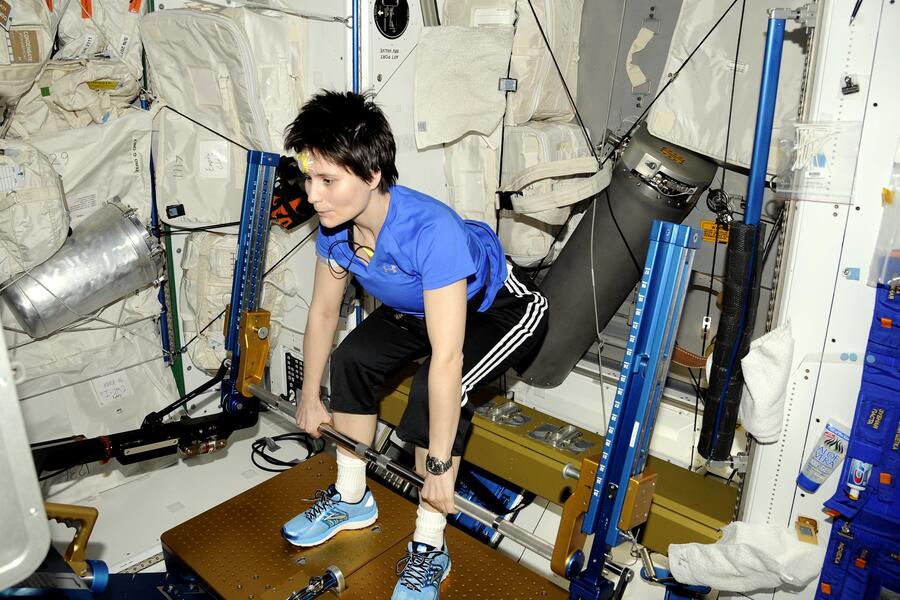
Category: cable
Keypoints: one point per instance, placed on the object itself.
(209, 129)
(258, 449)
(697, 393)
(584, 130)
(179, 230)
(184, 346)
(618, 144)
(737, 53)
(622, 235)
(772, 236)
(52, 475)
(597, 319)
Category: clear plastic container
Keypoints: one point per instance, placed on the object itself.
(885, 267)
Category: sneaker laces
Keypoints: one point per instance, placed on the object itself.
(416, 569)
(322, 502)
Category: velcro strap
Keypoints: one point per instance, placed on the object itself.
(565, 195)
(586, 165)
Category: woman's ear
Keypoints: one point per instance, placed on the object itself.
(375, 181)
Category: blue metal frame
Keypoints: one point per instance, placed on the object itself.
(765, 115)
(756, 182)
(250, 263)
(652, 337)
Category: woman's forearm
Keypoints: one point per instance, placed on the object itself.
(317, 342)
(444, 396)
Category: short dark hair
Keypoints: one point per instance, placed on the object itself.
(348, 129)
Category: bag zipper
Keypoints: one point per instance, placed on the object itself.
(243, 44)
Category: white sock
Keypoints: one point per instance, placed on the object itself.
(430, 527)
(351, 477)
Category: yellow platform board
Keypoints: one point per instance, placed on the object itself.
(237, 552)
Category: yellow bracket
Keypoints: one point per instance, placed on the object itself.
(81, 519)
(635, 510)
(570, 538)
(254, 340)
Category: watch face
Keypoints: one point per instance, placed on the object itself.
(436, 466)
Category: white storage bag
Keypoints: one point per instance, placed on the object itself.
(26, 40)
(548, 166)
(99, 162)
(103, 27)
(472, 170)
(208, 270)
(74, 93)
(199, 175)
(529, 241)
(540, 94)
(478, 13)
(34, 221)
(238, 71)
(694, 111)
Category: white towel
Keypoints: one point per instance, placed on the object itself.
(458, 72)
(748, 558)
(767, 368)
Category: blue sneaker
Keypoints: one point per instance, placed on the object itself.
(329, 516)
(421, 572)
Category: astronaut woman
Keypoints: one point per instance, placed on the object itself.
(447, 295)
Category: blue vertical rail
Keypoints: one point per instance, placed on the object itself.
(765, 116)
(250, 261)
(651, 340)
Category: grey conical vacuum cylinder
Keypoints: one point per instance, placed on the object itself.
(652, 180)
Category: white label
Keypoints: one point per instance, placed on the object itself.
(124, 42)
(818, 166)
(88, 46)
(136, 159)
(81, 206)
(212, 159)
(12, 177)
(634, 434)
(741, 68)
(493, 16)
(215, 340)
(112, 388)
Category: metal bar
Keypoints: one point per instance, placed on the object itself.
(765, 115)
(467, 507)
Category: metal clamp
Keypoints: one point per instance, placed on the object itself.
(805, 15)
(563, 437)
(504, 413)
(737, 463)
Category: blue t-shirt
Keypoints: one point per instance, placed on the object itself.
(423, 245)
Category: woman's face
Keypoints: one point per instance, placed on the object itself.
(337, 194)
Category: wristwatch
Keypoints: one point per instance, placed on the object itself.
(436, 466)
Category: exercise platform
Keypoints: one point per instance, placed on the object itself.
(236, 551)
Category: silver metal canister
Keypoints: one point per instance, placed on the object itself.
(109, 256)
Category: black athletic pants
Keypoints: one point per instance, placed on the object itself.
(386, 340)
